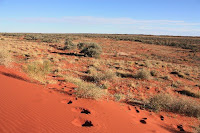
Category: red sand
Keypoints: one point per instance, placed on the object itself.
(30, 108)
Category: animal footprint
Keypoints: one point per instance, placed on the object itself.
(137, 110)
(81, 110)
(87, 124)
(180, 127)
(143, 120)
(70, 102)
(162, 118)
(82, 122)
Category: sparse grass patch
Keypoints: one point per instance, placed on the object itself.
(167, 102)
(38, 70)
(98, 76)
(118, 96)
(5, 57)
(85, 89)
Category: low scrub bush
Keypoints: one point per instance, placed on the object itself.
(181, 105)
(81, 45)
(92, 50)
(69, 45)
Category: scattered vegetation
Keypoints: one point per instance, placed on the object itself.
(181, 105)
(175, 41)
(101, 74)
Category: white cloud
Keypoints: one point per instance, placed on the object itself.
(100, 20)
(117, 25)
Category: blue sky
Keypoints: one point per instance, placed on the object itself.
(159, 17)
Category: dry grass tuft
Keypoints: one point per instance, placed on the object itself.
(38, 70)
(119, 97)
(98, 76)
(85, 89)
(143, 74)
(5, 57)
(167, 102)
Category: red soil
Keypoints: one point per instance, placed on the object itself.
(28, 107)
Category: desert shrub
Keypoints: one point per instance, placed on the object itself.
(5, 57)
(92, 50)
(143, 74)
(81, 45)
(85, 89)
(167, 102)
(38, 70)
(69, 45)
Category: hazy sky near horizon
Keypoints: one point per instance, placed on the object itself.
(159, 17)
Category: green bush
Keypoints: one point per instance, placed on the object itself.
(92, 50)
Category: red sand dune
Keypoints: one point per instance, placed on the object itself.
(30, 108)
